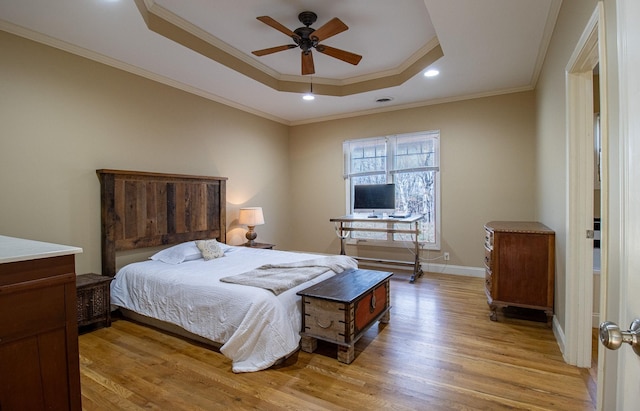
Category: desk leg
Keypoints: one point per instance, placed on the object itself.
(417, 270)
(342, 240)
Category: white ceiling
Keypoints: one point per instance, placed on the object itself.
(490, 47)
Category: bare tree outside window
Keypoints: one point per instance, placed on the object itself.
(412, 163)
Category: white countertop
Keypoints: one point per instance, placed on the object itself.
(18, 249)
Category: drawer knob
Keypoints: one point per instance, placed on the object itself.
(323, 326)
(372, 306)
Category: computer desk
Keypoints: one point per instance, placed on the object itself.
(344, 226)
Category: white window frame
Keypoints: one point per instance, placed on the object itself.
(390, 171)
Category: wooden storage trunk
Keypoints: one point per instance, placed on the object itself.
(342, 308)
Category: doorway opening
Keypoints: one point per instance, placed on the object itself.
(588, 195)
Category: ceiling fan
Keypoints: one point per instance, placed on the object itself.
(307, 39)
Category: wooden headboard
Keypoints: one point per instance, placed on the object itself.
(140, 209)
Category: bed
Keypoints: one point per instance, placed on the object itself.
(232, 297)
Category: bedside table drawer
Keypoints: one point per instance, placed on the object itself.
(93, 304)
(93, 299)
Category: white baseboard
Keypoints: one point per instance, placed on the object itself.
(434, 268)
(558, 332)
(454, 270)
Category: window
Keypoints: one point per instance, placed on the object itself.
(412, 163)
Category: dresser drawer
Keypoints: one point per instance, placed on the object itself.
(488, 239)
(488, 284)
(488, 258)
(26, 313)
(93, 304)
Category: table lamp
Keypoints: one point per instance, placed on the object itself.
(251, 217)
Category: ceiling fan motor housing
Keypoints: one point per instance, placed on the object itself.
(307, 18)
(305, 41)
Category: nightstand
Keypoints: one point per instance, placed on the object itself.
(265, 246)
(93, 299)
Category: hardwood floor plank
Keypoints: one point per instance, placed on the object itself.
(439, 352)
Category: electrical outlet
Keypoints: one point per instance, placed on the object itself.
(446, 256)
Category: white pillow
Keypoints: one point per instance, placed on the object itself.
(210, 249)
(178, 253)
(226, 247)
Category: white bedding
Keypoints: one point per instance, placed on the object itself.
(255, 327)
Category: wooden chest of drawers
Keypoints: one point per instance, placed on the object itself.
(342, 308)
(519, 266)
(39, 366)
(93, 299)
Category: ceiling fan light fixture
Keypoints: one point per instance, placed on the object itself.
(309, 96)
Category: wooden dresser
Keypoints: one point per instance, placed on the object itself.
(39, 363)
(519, 266)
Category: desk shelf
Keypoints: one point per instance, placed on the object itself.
(343, 226)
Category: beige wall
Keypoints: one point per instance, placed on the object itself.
(62, 117)
(552, 160)
(487, 170)
(551, 146)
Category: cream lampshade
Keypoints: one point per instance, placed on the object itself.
(251, 217)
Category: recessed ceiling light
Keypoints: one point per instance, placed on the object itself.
(431, 73)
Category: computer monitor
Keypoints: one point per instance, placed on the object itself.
(374, 198)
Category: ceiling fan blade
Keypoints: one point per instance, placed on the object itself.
(307, 63)
(340, 54)
(271, 22)
(270, 50)
(330, 28)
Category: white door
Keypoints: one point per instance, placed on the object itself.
(628, 291)
(629, 60)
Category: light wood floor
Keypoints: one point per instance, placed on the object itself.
(439, 352)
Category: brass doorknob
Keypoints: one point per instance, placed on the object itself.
(612, 337)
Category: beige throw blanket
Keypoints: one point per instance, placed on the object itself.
(279, 278)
